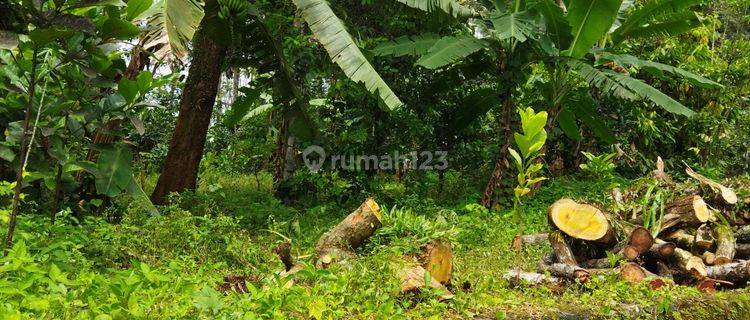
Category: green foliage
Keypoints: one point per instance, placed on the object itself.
(530, 143)
(343, 50)
(589, 20)
(448, 50)
(599, 167)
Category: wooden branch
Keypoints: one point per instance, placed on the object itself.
(721, 194)
(529, 239)
(567, 271)
(563, 253)
(733, 272)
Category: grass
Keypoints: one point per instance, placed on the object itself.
(171, 266)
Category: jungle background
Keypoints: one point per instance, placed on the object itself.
(151, 150)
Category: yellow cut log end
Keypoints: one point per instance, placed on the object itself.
(580, 221)
(438, 260)
(701, 209)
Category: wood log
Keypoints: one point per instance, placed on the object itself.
(685, 240)
(338, 243)
(414, 279)
(437, 258)
(662, 250)
(704, 237)
(563, 253)
(529, 239)
(725, 245)
(689, 210)
(628, 271)
(663, 270)
(688, 263)
(563, 270)
(709, 258)
(639, 242)
(743, 234)
(631, 272)
(600, 263)
(742, 251)
(722, 195)
(581, 221)
(518, 278)
(733, 272)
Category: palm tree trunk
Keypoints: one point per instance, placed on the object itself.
(180, 169)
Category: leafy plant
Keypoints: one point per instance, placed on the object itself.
(601, 166)
(530, 142)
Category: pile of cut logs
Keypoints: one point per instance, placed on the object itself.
(702, 238)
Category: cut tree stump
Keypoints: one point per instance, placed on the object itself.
(581, 221)
(720, 194)
(628, 271)
(709, 258)
(337, 244)
(733, 272)
(529, 239)
(414, 279)
(688, 210)
(437, 258)
(725, 245)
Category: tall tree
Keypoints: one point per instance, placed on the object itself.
(180, 169)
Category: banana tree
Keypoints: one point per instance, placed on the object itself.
(576, 40)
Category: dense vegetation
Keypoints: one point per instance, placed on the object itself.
(154, 152)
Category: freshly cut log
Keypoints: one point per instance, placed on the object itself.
(721, 194)
(733, 272)
(689, 210)
(517, 278)
(413, 280)
(688, 262)
(581, 221)
(338, 243)
(437, 258)
(725, 245)
(662, 250)
(709, 258)
(529, 239)
(632, 272)
(567, 271)
(743, 234)
(639, 242)
(686, 240)
(628, 271)
(563, 253)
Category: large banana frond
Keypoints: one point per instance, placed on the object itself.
(407, 45)
(451, 7)
(555, 24)
(590, 20)
(449, 50)
(621, 14)
(626, 87)
(171, 26)
(658, 17)
(658, 69)
(332, 34)
(519, 25)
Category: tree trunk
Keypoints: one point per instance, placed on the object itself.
(689, 210)
(501, 163)
(180, 169)
(581, 221)
(734, 272)
(21, 159)
(725, 245)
